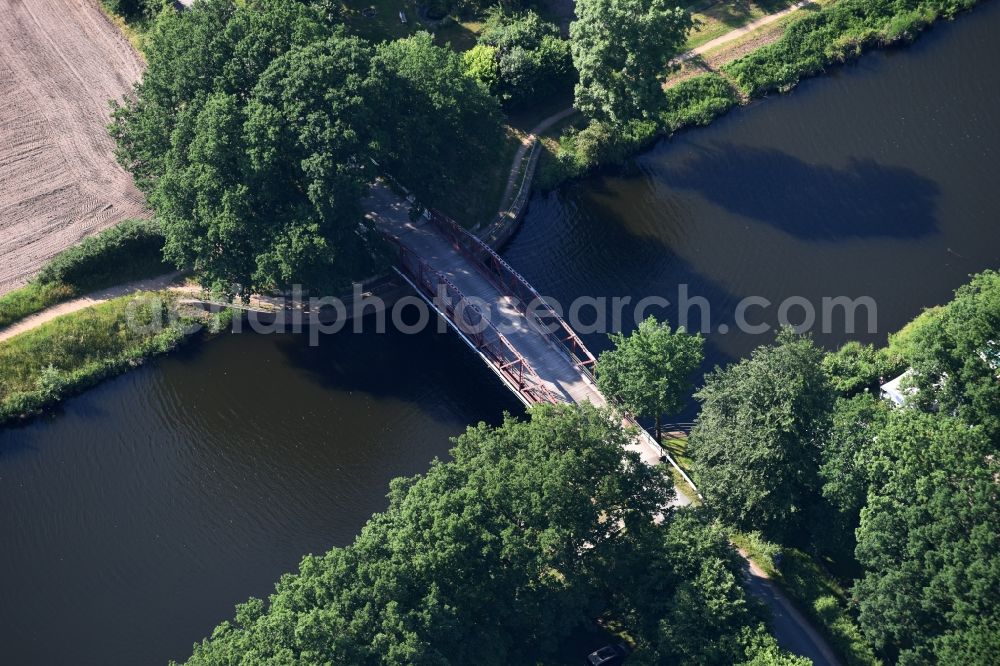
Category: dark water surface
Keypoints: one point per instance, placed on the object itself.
(132, 521)
(880, 179)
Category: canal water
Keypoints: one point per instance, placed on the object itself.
(136, 517)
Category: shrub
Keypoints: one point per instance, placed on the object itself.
(528, 58)
(698, 101)
(856, 367)
(130, 250)
(836, 33)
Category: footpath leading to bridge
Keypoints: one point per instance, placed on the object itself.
(497, 313)
(533, 351)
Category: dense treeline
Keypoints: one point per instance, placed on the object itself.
(520, 58)
(793, 444)
(254, 129)
(531, 532)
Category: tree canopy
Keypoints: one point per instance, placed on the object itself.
(756, 446)
(929, 542)
(520, 58)
(533, 530)
(254, 129)
(650, 371)
(622, 50)
(956, 355)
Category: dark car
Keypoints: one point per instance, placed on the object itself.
(609, 655)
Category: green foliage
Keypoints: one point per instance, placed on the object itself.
(649, 371)
(622, 50)
(530, 62)
(254, 129)
(31, 298)
(136, 11)
(480, 62)
(902, 343)
(130, 250)
(956, 356)
(847, 471)
(756, 447)
(78, 350)
(697, 101)
(856, 367)
(517, 531)
(814, 591)
(438, 125)
(687, 604)
(763, 650)
(929, 543)
(836, 33)
(530, 532)
(763, 552)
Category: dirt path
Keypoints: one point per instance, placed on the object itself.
(526, 143)
(739, 32)
(169, 281)
(60, 63)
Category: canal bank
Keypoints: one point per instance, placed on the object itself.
(137, 516)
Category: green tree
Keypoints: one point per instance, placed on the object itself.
(529, 533)
(929, 542)
(649, 371)
(249, 133)
(530, 59)
(757, 444)
(437, 125)
(856, 367)
(622, 50)
(486, 559)
(956, 355)
(257, 127)
(480, 63)
(847, 470)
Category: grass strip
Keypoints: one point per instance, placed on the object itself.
(74, 352)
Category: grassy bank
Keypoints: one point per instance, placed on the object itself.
(836, 34)
(131, 250)
(69, 354)
(696, 101)
(830, 35)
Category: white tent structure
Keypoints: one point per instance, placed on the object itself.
(894, 391)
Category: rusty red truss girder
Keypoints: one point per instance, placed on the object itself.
(474, 326)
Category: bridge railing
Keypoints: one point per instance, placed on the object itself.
(469, 319)
(509, 281)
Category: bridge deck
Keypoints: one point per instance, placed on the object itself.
(560, 374)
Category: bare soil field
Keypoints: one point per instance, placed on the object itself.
(60, 63)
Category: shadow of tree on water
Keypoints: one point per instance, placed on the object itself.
(813, 202)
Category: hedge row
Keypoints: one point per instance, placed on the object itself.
(130, 250)
(837, 33)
